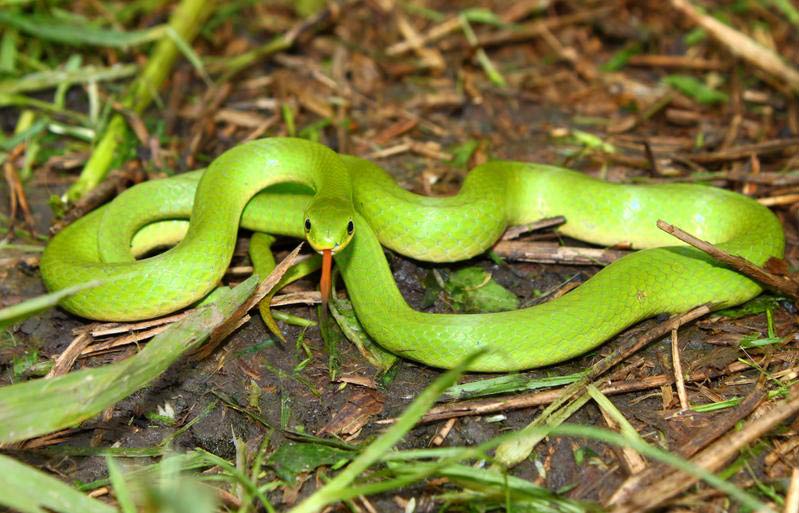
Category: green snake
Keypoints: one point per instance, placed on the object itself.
(352, 206)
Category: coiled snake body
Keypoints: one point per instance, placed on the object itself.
(662, 278)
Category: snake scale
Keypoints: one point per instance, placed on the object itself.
(354, 206)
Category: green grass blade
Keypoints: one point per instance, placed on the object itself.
(28, 490)
(373, 452)
(787, 9)
(9, 52)
(609, 408)
(12, 3)
(507, 384)
(515, 450)
(696, 89)
(452, 455)
(238, 476)
(48, 79)
(185, 22)
(186, 462)
(188, 52)
(21, 311)
(48, 28)
(26, 248)
(121, 488)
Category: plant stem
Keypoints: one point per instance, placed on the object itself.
(185, 22)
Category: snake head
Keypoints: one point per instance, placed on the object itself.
(329, 224)
(328, 228)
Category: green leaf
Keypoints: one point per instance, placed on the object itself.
(7, 143)
(307, 8)
(121, 489)
(47, 79)
(758, 305)
(721, 405)
(587, 140)
(490, 487)
(786, 8)
(188, 52)
(28, 364)
(591, 141)
(506, 384)
(292, 458)
(313, 132)
(751, 341)
(348, 322)
(9, 52)
(75, 33)
(583, 454)
(463, 152)
(339, 487)
(694, 37)
(432, 289)
(696, 89)
(288, 118)
(619, 59)
(473, 290)
(483, 15)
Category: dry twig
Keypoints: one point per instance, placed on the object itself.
(780, 283)
(792, 497)
(552, 253)
(260, 292)
(67, 358)
(475, 407)
(679, 380)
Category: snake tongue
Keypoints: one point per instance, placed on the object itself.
(324, 283)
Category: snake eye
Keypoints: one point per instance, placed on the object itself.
(350, 227)
(307, 225)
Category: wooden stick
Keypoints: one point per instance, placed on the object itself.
(742, 265)
(679, 381)
(114, 183)
(67, 358)
(784, 199)
(792, 497)
(550, 253)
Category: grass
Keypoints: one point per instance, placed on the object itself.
(184, 24)
(22, 311)
(21, 489)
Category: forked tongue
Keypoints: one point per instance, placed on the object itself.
(324, 283)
